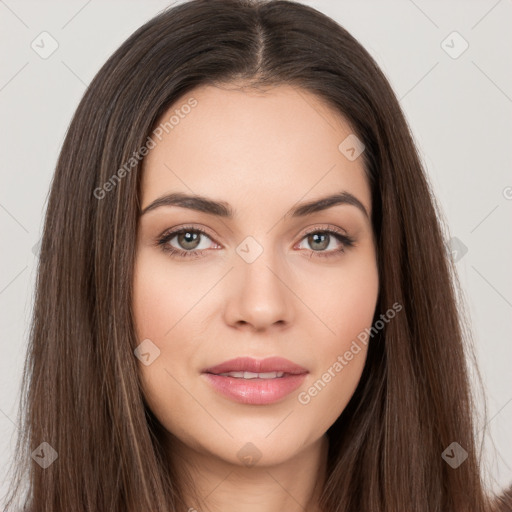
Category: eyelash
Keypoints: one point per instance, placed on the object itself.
(162, 242)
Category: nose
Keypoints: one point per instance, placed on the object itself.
(260, 295)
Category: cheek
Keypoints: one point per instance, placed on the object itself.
(345, 301)
(166, 305)
(347, 307)
(162, 298)
(356, 302)
(326, 395)
(150, 297)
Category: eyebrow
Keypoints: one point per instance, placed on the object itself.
(223, 209)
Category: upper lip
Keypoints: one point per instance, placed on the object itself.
(248, 364)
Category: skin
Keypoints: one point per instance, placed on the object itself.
(261, 152)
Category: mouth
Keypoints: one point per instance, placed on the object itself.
(252, 375)
(255, 382)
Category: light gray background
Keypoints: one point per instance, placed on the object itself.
(459, 111)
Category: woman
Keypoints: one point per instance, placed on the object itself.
(235, 305)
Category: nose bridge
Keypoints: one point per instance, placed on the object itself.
(262, 297)
(260, 259)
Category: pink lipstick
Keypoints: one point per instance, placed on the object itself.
(255, 381)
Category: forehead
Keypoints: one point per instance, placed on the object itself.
(252, 147)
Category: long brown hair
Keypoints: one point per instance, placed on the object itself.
(503, 502)
(81, 389)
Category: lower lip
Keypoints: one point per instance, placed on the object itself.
(255, 391)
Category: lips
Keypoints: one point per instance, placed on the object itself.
(248, 364)
(255, 381)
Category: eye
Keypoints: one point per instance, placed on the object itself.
(322, 239)
(188, 240)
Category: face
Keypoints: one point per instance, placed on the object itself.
(287, 289)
